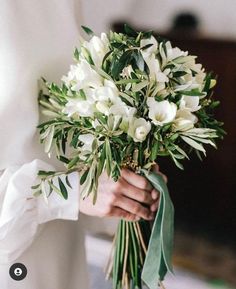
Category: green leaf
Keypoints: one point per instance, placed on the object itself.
(139, 60)
(49, 139)
(87, 55)
(203, 140)
(73, 162)
(45, 173)
(119, 64)
(207, 82)
(37, 193)
(194, 92)
(179, 73)
(139, 86)
(76, 54)
(127, 97)
(108, 157)
(181, 151)
(193, 144)
(87, 30)
(35, 187)
(126, 81)
(63, 189)
(68, 182)
(154, 151)
(130, 31)
(147, 34)
(146, 46)
(101, 160)
(106, 57)
(84, 177)
(75, 139)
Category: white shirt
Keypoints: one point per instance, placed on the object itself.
(37, 38)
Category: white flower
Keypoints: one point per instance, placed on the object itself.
(102, 107)
(186, 114)
(155, 70)
(170, 53)
(152, 49)
(122, 109)
(71, 76)
(97, 47)
(126, 112)
(83, 108)
(181, 124)
(149, 55)
(106, 96)
(185, 120)
(161, 112)
(190, 102)
(126, 72)
(189, 82)
(81, 76)
(139, 129)
(108, 92)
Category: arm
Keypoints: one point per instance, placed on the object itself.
(21, 214)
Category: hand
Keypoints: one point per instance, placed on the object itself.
(132, 197)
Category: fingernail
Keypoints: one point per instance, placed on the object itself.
(154, 195)
(153, 208)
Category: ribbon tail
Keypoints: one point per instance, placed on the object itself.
(158, 260)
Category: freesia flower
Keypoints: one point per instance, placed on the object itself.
(181, 124)
(97, 47)
(152, 49)
(139, 129)
(185, 120)
(83, 76)
(190, 102)
(170, 53)
(161, 112)
(105, 96)
(186, 114)
(83, 108)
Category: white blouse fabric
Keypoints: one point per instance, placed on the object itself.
(37, 38)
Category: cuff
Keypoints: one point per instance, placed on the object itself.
(59, 208)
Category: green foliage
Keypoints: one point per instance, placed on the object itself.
(87, 30)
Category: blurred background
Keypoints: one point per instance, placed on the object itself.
(204, 193)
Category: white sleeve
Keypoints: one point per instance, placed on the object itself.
(21, 214)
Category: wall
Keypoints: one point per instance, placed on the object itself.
(217, 16)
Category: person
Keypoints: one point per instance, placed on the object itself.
(37, 39)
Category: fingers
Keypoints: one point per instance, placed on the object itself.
(134, 208)
(136, 194)
(136, 180)
(120, 213)
(155, 194)
(154, 206)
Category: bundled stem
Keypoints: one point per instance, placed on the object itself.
(129, 251)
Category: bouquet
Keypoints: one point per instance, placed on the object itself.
(129, 99)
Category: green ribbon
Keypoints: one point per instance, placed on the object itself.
(158, 260)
